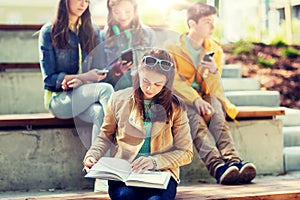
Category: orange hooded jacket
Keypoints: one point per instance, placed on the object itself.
(186, 73)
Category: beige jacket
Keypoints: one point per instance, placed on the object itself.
(171, 143)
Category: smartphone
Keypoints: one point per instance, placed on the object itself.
(127, 56)
(102, 71)
(207, 55)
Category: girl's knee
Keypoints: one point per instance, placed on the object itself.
(107, 87)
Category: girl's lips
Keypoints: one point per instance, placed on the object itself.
(125, 22)
(148, 94)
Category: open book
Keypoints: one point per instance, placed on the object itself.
(120, 170)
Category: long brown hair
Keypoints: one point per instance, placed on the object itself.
(60, 28)
(165, 97)
(138, 34)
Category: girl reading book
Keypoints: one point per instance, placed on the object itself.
(146, 125)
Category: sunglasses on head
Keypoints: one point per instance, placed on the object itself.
(151, 61)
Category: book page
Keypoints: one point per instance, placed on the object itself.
(153, 179)
(105, 175)
(110, 168)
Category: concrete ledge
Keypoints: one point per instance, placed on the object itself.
(240, 84)
(51, 158)
(19, 46)
(292, 158)
(254, 98)
(291, 117)
(291, 136)
(42, 159)
(23, 91)
(232, 71)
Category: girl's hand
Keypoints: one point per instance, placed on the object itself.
(120, 67)
(74, 83)
(70, 82)
(64, 85)
(94, 75)
(142, 164)
(89, 162)
(125, 66)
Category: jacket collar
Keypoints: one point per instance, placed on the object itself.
(77, 27)
(135, 119)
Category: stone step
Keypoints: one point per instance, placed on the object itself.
(19, 46)
(291, 158)
(254, 98)
(232, 71)
(23, 92)
(240, 84)
(291, 136)
(291, 117)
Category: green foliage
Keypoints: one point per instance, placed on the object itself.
(266, 63)
(241, 47)
(290, 52)
(278, 43)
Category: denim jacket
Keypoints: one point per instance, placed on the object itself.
(56, 63)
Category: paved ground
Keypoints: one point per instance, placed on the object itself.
(260, 180)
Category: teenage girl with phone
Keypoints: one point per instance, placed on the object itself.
(71, 86)
(124, 31)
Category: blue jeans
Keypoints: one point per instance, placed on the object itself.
(88, 102)
(118, 190)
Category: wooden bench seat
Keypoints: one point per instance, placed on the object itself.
(19, 65)
(262, 189)
(258, 112)
(47, 119)
(35, 119)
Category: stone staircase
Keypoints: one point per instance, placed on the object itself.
(291, 133)
(246, 92)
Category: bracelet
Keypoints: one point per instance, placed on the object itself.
(154, 163)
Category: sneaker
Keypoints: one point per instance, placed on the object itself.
(227, 175)
(247, 172)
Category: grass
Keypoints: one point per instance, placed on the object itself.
(290, 52)
(266, 63)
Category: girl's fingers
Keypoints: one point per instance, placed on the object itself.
(101, 77)
(142, 164)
